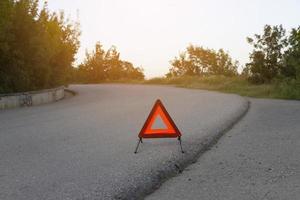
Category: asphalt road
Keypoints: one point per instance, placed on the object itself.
(258, 159)
(82, 147)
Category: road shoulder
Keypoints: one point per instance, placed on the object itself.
(257, 159)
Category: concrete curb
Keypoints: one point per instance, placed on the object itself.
(176, 167)
(71, 91)
(31, 98)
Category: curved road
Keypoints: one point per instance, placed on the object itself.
(82, 147)
(257, 159)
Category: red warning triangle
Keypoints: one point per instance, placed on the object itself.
(171, 130)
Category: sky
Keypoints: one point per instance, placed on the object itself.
(150, 33)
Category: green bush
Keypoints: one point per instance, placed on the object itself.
(37, 47)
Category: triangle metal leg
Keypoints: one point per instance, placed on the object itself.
(138, 144)
(179, 139)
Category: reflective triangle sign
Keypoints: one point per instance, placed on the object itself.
(169, 129)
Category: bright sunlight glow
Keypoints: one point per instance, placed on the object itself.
(151, 33)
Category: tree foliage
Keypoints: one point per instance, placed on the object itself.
(274, 55)
(37, 47)
(100, 65)
(266, 57)
(202, 61)
(291, 59)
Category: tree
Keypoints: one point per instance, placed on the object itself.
(291, 66)
(200, 61)
(101, 65)
(37, 47)
(93, 69)
(6, 39)
(225, 65)
(113, 63)
(266, 57)
(182, 66)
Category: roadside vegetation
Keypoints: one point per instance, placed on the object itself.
(102, 66)
(38, 48)
(237, 85)
(273, 70)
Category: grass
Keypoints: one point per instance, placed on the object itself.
(236, 85)
(284, 89)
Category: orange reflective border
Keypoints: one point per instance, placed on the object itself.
(170, 132)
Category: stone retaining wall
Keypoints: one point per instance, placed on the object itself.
(31, 98)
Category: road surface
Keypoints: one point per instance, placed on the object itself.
(82, 147)
(258, 159)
